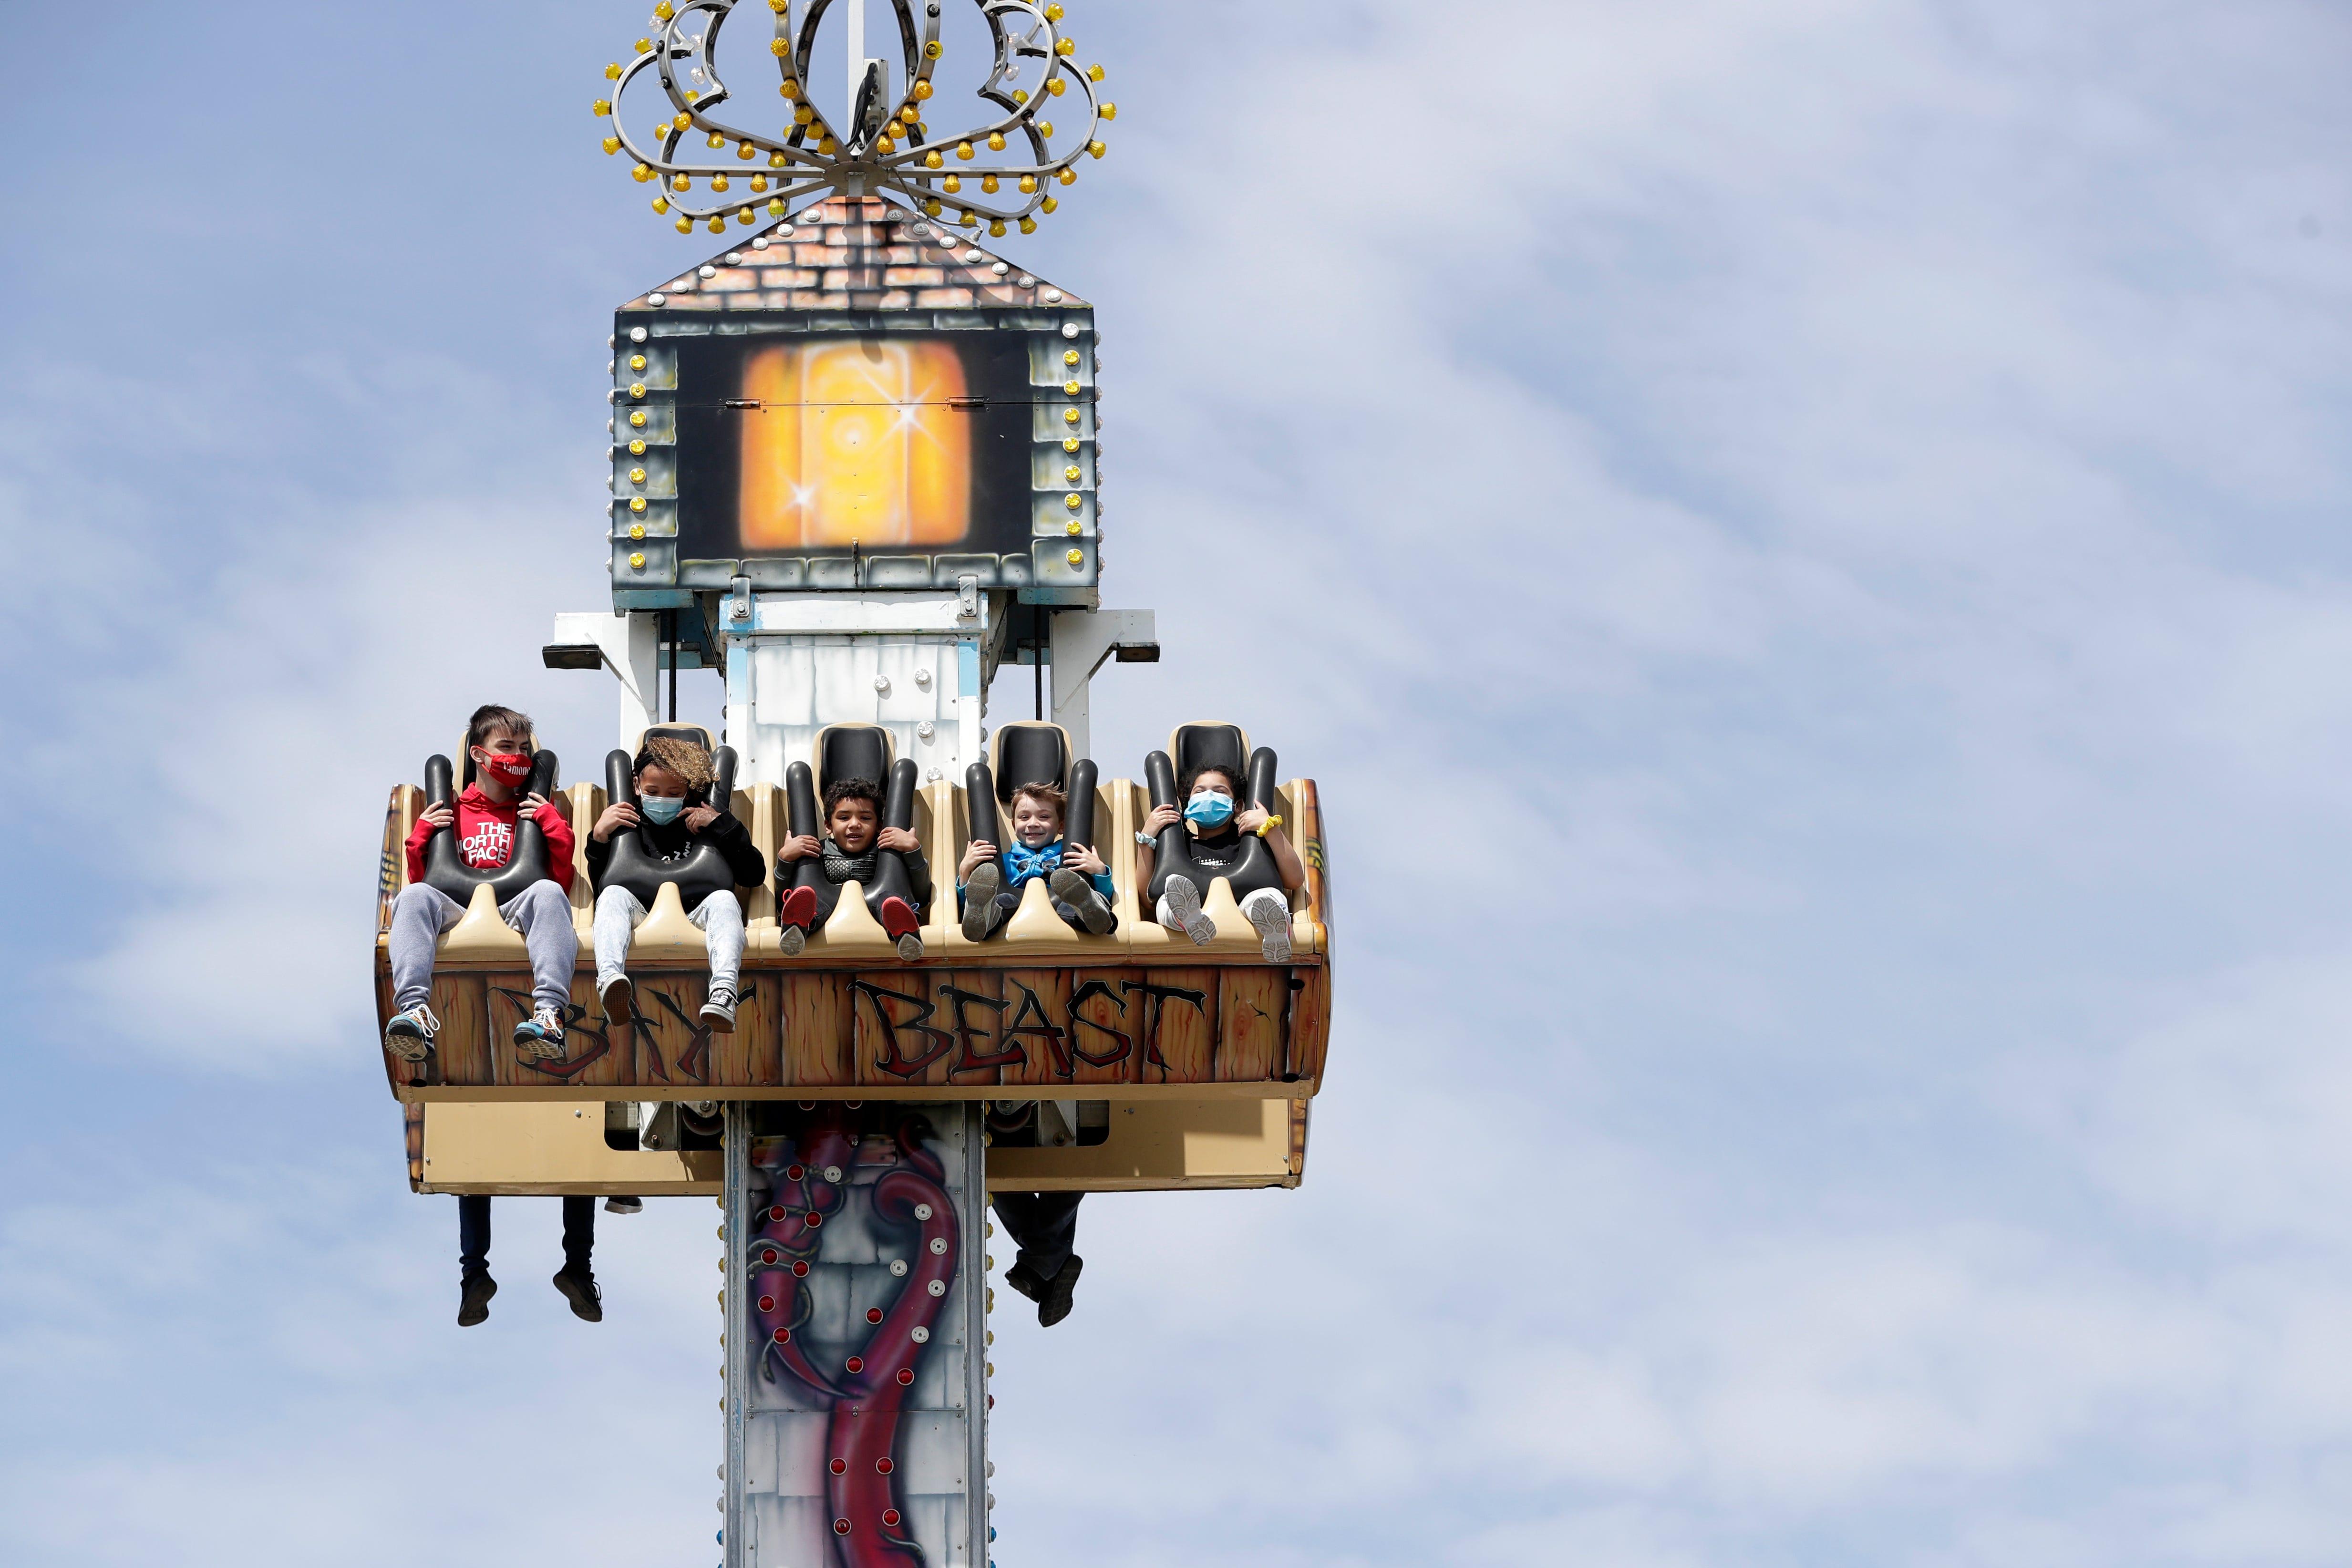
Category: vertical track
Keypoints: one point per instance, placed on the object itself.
(733, 1334)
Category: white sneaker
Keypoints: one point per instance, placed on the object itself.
(408, 1034)
(541, 1034)
(1183, 901)
(718, 1011)
(1270, 913)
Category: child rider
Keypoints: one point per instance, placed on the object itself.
(851, 852)
(673, 810)
(989, 882)
(486, 815)
(1209, 814)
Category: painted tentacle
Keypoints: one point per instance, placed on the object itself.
(861, 1436)
(784, 1247)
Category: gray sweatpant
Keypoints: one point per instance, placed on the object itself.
(719, 917)
(541, 912)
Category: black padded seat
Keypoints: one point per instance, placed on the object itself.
(850, 751)
(701, 869)
(1025, 752)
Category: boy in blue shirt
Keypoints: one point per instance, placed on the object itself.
(989, 881)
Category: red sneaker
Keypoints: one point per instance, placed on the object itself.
(899, 923)
(797, 908)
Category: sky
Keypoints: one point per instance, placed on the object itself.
(1803, 540)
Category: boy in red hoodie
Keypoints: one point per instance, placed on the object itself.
(486, 815)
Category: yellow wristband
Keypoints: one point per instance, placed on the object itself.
(1268, 825)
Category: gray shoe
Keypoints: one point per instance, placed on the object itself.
(980, 901)
(718, 1011)
(1271, 916)
(1077, 889)
(619, 998)
(409, 1034)
(625, 1206)
(792, 938)
(1184, 903)
(910, 948)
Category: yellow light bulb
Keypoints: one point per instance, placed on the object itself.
(603, 106)
(1028, 183)
(641, 174)
(636, 530)
(1020, 95)
(996, 226)
(661, 204)
(1045, 129)
(1096, 148)
(637, 476)
(637, 389)
(637, 361)
(663, 11)
(1066, 47)
(637, 503)
(1077, 558)
(745, 217)
(778, 6)
(759, 183)
(719, 225)
(637, 416)
(682, 120)
(775, 209)
(996, 141)
(933, 50)
(952, 183)
(1073, 527)
(1069, 356)
(612, 71)
(744, 150)
(931, 160)
(684, 225)
(612, 145)
(1068, 176)
(680, 182)
(1072, 474)
(780, 48)
(643, 45)
(1069, 416)
(988, 184)
(1049, 204)
(932, 208)
(1057, 86)
(790, 87)
(828, 145)
(1054, 12)
(1071, 443)
(776, 160)
(803, 114)
(1071, 387)
(1110, 111)
(637, 448)
(1028, 225)
(910, 114)
(923, 87)
(691, 94)
(1094, 73)
(717, 182)
(885, 145)
(636, 561)
(963, 150)
(714, 140)
(967, 217)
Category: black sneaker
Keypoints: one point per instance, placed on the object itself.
(579, 1287)
(474, 1293)
(1026, 1280)
(1055, 1304)
(625, 1206)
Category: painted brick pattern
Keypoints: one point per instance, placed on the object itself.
(862, 253)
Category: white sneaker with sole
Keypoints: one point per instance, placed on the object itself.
(541, 1034)
(1269, 913)
(408, 1034)
(1183, 901)
(718, 1011)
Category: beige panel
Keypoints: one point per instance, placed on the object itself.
(1160, 1145)
(539, 1147)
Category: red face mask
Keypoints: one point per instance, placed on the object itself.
(509, 770)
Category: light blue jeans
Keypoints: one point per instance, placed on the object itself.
(541, 912)
(719, 918)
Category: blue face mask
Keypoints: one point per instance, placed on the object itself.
(661, 808)
(1210, 808)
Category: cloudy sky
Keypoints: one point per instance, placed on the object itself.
(1804, 541)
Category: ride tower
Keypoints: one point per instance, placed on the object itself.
(855, 471)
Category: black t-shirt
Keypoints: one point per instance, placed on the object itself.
(1218, 851)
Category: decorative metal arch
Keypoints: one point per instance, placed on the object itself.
(894, 151)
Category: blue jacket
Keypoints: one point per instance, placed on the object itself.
(1023, 864)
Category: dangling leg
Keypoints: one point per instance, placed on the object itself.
(720, 918)
(577, 1278)
(543, 915)
(892, 899)
(985, 901)
(475, 1285)
(419, 915)
(1180, 909)
(1268, 910)
(1045, 1227)
(618, 916)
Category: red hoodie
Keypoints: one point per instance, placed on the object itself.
(486, 837)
